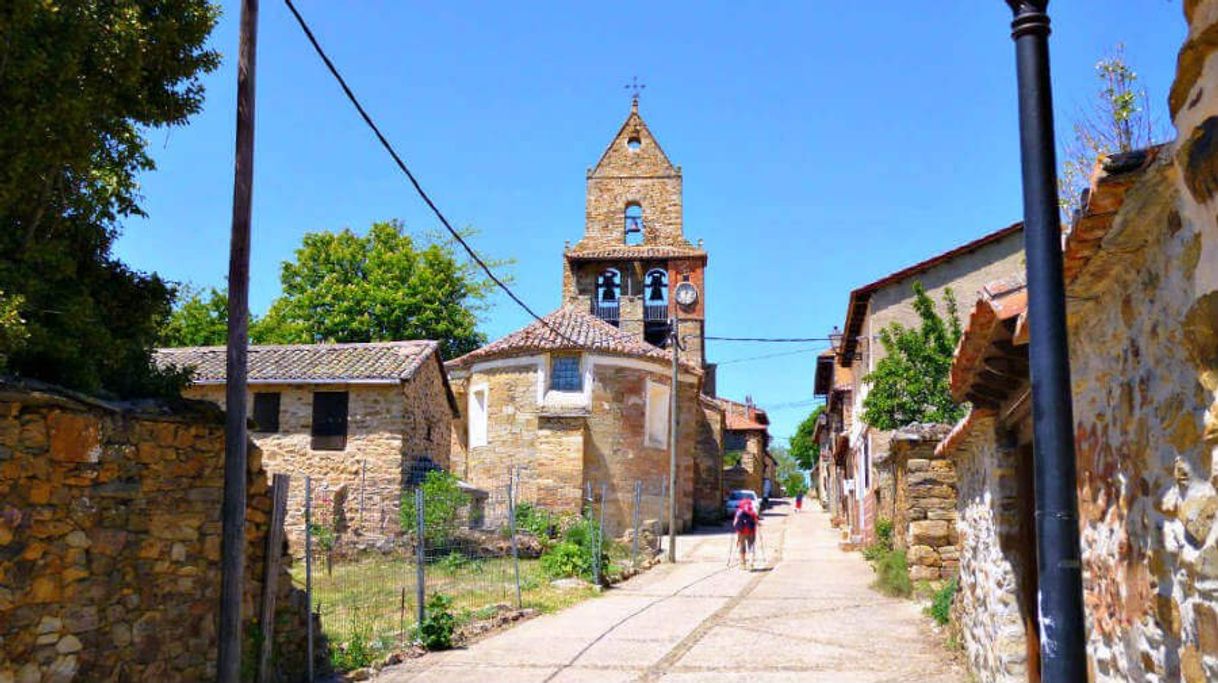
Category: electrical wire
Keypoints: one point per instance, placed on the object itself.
(799, 340)
(342, 82)
(473, 255)
(763, 357)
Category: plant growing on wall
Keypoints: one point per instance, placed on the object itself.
(910, 383)
(1119, 120)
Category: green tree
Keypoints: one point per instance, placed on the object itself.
(804, 448)
(343, 287)
(80, 85)
(1119, 120)
(784, 463)
(910, 383)
(197, 320)
(795, 483)
(12, 327)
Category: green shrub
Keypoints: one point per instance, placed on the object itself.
(940, 608)
(566, 559)
(883, 533)
(537, 521)
(455, 562)
(443, 500)
(439, 623)
(356, 653)
(883, 541)
(892, 574)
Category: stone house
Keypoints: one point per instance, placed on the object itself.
(357, 418)
(835, 384)
(581, 397)
(1141, 273)
(875, 306)
(747, 433)
(573, 401)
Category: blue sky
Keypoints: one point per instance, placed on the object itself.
(823, 144)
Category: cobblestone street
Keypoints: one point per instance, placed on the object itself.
(701, 621)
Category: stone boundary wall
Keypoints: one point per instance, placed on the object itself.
(990, 610)
(110, 541)
(924, 505)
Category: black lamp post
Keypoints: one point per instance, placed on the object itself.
(1062, 634)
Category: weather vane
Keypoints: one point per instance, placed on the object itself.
(634, 87)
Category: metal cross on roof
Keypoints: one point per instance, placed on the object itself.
(635, 87)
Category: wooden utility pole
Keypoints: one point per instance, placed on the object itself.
(232, 546)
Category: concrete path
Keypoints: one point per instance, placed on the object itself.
(808, 616)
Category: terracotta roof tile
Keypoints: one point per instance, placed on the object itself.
(1113, 177)
(738, 417)
(999, 302)
(566, 329)
(963, 431)
(308, 362)
(635, 252)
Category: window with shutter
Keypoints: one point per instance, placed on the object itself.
(329, 420)
(266, 412)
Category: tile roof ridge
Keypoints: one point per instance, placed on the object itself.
(398, 343)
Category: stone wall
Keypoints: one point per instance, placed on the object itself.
(1144, 355)
(643, 175)
(388, 427)
(924, 503)
(110, 541)
(991, 609)
(708, 463)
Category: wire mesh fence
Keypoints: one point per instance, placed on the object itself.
(474, 555)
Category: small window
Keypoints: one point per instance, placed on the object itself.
(565, 374)
(477, 416)
(329, 420)
(634, 143)
(266, 412)
(656, 418)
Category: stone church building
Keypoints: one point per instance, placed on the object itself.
(581, 397)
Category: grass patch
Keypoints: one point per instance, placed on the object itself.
(368, 608)
(892, 574)
(940, 608)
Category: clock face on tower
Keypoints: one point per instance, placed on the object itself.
(686, 294)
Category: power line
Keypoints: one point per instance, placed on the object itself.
(342, 82)
(770, 339)
(768, 355)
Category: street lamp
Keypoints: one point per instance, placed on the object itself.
(1062, 635)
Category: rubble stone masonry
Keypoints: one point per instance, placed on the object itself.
(924, 506)
(110, 542)
(389, 426)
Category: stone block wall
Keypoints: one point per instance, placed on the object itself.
(643, 175)
(924, 506)
(110, 541)
(708, 465)
(992, 607)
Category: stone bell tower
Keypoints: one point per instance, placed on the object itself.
(634, 268)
